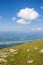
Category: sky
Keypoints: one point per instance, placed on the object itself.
(21, 15)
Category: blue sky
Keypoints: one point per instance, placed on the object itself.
(21, 15)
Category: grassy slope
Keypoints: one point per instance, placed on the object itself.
(23, 56)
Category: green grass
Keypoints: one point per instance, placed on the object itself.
(23, 55)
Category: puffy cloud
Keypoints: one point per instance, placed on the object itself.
(13, 18)
(41, 7)
(28, 14)
(37, 29)
(22, 21)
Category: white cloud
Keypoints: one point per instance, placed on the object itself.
(37, 29)
(22, 21)
(13, 18)
(41, 7)
(28, 14)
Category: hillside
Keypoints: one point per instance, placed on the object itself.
(25, 54)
